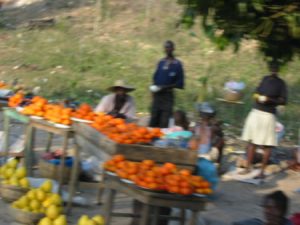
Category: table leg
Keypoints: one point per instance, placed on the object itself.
(108, 207)
(6, 122)
(74, 178)
(29, 151)
(194, 217)
(182, 216)
(145, 214)
(62, 162)
(100, 192)
(49, 141)
(155, 220)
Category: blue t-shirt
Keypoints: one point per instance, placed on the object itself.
(169, 73)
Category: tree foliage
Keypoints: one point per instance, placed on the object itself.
(275, 24)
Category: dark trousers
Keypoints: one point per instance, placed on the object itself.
(162, 109)
(137, 209)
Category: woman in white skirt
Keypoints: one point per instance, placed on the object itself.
(259, 129)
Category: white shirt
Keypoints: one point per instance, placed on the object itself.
(107, 104)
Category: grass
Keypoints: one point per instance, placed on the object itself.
(80, 57)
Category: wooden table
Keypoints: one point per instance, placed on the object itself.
(151, 202)
(90, 141)
(10, 114)
(31, 126)
(44, 125)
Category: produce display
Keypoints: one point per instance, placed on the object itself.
(37, 107)
(14, 176)
(84, 112)
(41, 200)
(167, 177)
(95, 220)
(3, 84)
(124, 133)
(16, 99)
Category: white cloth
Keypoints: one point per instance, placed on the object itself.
(107, 104)
(259, 128)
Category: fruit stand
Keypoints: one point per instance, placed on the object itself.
(31, 125)
(152, 176)
(152, 201)
(89, 140)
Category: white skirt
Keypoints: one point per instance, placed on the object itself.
(259, 128)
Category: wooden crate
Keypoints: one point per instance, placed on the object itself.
(51, 171)
(101, 146)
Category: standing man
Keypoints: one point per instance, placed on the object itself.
(169, 74)
(259, 129)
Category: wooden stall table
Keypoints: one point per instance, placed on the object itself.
(10, 114)
(151, 201)
(44, 125)
(89, 140)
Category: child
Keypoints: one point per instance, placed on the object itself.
(207, 133)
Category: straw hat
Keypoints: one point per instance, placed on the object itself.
(121, 84)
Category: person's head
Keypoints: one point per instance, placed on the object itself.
(169, 47)
(273, 67)
(120, 88)
(181, 120)
(206, 111)
(275, 207)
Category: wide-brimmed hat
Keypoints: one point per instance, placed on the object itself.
(121, 84)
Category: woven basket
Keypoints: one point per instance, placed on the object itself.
(11, 193)
(232, 96)
(24, 217)
(51, 171)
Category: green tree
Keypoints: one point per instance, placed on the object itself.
(275, 24)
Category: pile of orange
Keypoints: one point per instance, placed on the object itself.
(85, 112)
(124, 133)
(3, 84)
(16, 100)
(37, 107)
(58, 114)
(167, 177)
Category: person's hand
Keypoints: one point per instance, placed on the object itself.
(262, 99)
(154, 88)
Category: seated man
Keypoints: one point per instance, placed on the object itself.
(275, 207)
(118, 104)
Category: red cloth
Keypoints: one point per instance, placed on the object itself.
(295, 219)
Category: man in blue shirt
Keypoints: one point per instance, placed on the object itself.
(169, 74)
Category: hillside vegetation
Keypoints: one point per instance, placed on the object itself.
(84, 52)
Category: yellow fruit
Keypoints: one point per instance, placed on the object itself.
(8, 173)
(41, 195)
(35, 204)
(52, 212)
(23, 202)
(24, 182)
(46, 186)
(45, 221)
(56, 199)
(91, 222)
(46, 203)
(98, 219)
(61, 220)
(83, 220)
(21, 172)
(14, 181)
(255, 96)
(31, 194)
(26, 209)
(15, 205)
(12, 163)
